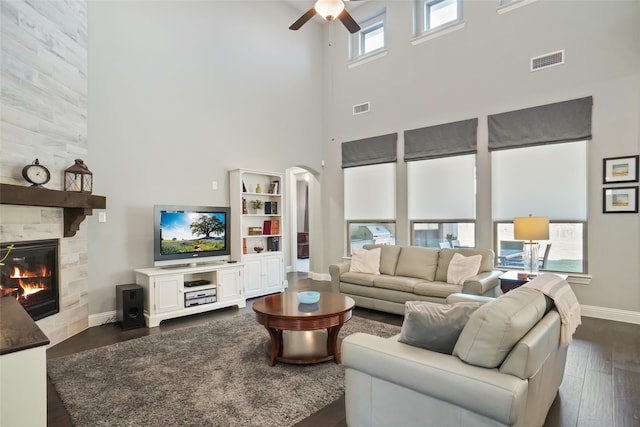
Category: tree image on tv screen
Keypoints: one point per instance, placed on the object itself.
(184, 233)
(207, 225)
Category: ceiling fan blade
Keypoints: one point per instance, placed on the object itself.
(349, 22)
(303, 19)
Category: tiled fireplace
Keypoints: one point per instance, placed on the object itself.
(30, 275)
(46, 118)
(23, 224)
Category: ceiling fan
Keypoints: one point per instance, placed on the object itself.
(329, 10)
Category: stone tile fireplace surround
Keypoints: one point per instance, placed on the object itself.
(26, 223)
(43, 114)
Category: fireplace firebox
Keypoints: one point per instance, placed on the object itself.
(30, 274)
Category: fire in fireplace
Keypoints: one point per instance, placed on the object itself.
(30, 274)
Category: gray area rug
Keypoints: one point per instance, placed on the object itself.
(209, 375)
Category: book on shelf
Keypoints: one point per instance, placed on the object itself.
(273, 244)
(244, 245)
(274, 208)
(244, 205)
(271, 226)
(255, 231)
(267, 208)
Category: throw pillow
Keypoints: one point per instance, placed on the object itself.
(365, 261)
(463, 267)
(435, 326)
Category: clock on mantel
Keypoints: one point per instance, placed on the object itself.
(76, 205)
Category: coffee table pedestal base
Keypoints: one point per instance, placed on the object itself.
(303, 347)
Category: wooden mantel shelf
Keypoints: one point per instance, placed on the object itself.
(76, 205)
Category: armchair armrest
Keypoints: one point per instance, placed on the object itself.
(460, 297)
(481, 283)
(335, 270)
(484, 391)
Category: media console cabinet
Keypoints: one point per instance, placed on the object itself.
(167, 296)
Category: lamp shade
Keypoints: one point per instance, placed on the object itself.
(531, 228)
(329, 9)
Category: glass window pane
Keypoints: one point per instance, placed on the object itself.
(441, 13)
(563, 252)
(370, 232)
(373, 39)
(443, 234)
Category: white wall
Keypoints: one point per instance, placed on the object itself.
(181, 92)
(484, 69)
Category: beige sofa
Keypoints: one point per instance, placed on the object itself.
(505, 370)
(412, 273)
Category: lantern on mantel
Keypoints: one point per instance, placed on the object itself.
(78, 178)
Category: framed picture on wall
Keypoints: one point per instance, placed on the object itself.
(620, 200)
(620, 169)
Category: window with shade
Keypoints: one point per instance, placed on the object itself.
(441, 184)
(539, 168)
(369, 167)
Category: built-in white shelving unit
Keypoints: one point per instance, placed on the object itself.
(258, 233)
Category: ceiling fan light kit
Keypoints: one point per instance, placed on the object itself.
(328, 10)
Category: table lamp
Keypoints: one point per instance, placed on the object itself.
(531, 228)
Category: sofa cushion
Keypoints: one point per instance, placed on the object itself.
(445, 255)
(388, 257)
(415, 261)
(497, 326)
(436, 289)
(365, 261)
(462, 268)
(435, 326)
(398, 283)
(362, 279)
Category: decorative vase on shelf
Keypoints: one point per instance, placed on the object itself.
(260, 211)
(258, 188)
(258, 247)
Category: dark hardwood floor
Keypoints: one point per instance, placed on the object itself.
(601, 386)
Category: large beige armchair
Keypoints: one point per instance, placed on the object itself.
(505, 370)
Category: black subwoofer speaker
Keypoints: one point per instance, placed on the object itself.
(130, 306)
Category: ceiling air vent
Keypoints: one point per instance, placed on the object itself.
(547, 60)
(361, 108)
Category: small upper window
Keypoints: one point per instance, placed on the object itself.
(370, 38)
(441, 12)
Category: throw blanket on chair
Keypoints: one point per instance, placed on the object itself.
(565, 300)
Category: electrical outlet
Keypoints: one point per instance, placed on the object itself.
(102, 217)
(214, 185)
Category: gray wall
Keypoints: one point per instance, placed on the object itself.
(484, 69)
(181, 92)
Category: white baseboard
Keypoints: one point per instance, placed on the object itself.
(102, 318)
(610, 314)
(320, 276)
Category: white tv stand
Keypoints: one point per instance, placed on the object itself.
(165, 289)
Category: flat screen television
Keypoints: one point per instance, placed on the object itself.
(190, 234)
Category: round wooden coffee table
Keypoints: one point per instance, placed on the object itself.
(297, 330)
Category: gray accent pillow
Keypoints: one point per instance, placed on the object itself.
(435, 326)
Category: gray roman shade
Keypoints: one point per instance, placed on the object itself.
(449, 139)
(566, 121)
(370, 151)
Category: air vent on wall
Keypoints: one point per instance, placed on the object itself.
(361, 108)
(547, 60)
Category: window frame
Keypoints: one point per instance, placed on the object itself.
(357, 41)
(425, 18)
(585, 257)
(384, 222)
(441, 232)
